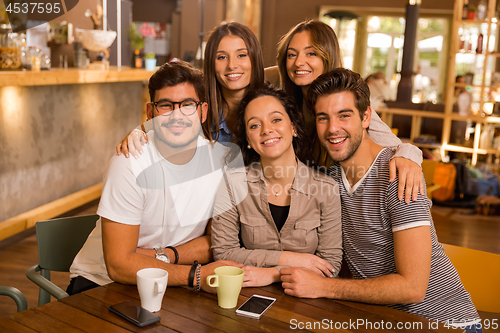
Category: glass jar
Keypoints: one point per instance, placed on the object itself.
(482, 10)
(10, 50)
(35, 58)
(45, 65)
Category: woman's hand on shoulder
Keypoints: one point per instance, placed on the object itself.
(260, 276)
(132, 143)
(307, 260)
(411, 179)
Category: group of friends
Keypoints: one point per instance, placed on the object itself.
(283, 182)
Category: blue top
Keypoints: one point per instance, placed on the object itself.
(225, 134)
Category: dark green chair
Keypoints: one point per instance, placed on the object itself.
(16, 295)
(59, 241)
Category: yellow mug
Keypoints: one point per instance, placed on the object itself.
(228, 281)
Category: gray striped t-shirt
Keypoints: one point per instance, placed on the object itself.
(371, 212)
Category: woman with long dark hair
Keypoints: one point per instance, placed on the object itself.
(290, 214)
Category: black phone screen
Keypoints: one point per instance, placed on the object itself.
(256, 304)
(134, 313)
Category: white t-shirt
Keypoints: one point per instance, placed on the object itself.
(171, 203)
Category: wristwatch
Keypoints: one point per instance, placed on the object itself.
(160, 255)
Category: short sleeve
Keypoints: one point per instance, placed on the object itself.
(407, 215)
(122, 199)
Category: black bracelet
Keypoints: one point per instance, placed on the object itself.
(175, 252)
(192, 273)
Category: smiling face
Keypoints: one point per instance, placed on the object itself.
(268, 128)
(340, 128)
(177, 130)
(232, 64)
(303, 64)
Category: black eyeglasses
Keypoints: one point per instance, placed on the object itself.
(186, 107)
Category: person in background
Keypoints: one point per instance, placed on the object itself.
(146, 209)
(463, 100)
(379, 90)
(391, 247)
(291, 216)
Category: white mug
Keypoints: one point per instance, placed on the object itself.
(152, 283)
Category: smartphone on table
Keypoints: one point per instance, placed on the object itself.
(255, 306)
(134, 313)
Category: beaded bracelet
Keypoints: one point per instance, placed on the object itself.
(192, 273)
(175, 252)
(198, 277)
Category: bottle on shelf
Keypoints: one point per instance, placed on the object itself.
(465, 10)
(480, 38)
(468, 46)
(481, 10)
(461, 45)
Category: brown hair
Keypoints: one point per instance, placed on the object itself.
(214, 94)
(173, 73)
(340, 80)
(301, 144)
(324, 41)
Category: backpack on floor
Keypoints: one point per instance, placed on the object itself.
(445, 175)
(461, 179)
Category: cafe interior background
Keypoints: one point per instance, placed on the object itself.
(64, 107)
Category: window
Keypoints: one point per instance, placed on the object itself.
(372, 43)
(345, 26)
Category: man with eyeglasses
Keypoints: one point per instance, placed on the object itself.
(155, 210)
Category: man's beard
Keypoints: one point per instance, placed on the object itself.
(352, 147)
(172, 143)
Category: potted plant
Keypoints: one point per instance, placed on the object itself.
(150, 61)
(472, 12)
(136, 43)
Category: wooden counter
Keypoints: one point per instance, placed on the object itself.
(59, 129)
(58, 76)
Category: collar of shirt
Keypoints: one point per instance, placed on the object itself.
(300, 183)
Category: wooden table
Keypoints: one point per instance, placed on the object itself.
(185, 310)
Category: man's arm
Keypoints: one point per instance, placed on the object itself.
(407, 159)
(196, 249)
(119, 242)
(412, 254)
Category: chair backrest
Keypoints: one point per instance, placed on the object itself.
(60, 240)
(428, 168)
(480, 275)
(272, 75)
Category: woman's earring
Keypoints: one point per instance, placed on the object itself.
(295, 133)
(249, 147)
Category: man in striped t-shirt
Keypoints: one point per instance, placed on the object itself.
(390, 246)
